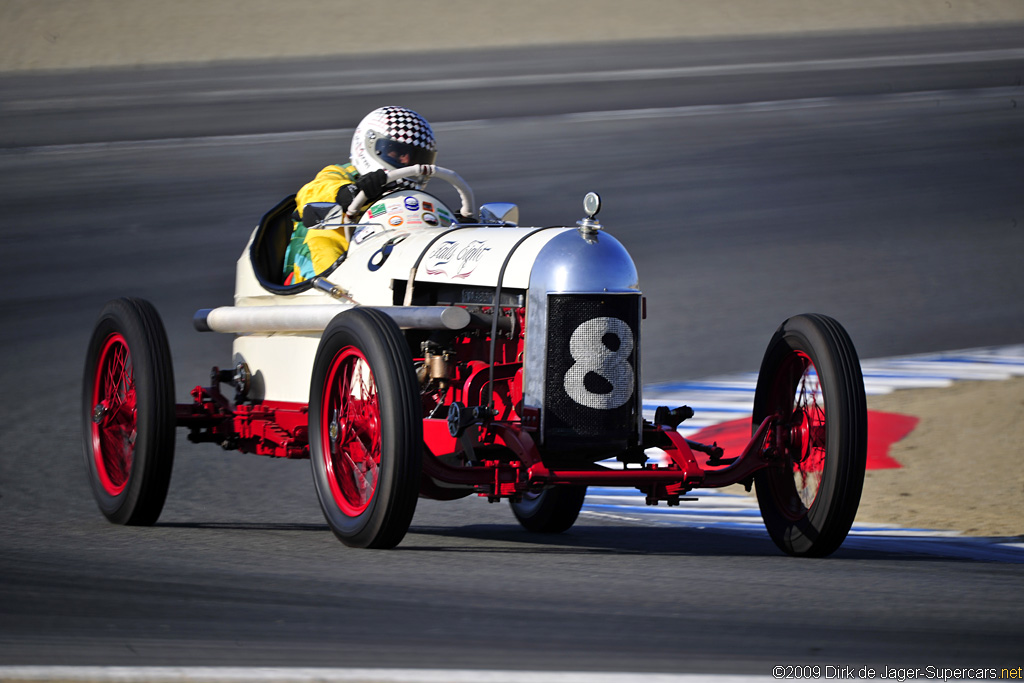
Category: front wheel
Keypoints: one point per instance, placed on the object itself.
(128, 412)
(365, 429)
(550, 511)
(811, 381)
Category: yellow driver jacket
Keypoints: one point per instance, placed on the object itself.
(311, 250)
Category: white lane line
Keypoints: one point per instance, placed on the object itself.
(523, 80)
(198, 674)
(333, 134)
(947, 370)
(883, 383)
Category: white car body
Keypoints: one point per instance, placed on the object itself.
(281, 357)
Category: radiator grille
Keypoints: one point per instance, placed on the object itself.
(591, 379)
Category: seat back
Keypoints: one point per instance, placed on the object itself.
(269, 246)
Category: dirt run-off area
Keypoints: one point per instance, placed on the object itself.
(73, 34)
(962, 465)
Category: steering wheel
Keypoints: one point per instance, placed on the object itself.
(430, 171)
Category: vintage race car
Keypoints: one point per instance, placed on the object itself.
(450, 354)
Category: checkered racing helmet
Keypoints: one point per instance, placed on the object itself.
(391, 138)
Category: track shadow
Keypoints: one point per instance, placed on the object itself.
(586, 540)
(656, 541)
(599, 540)
(245, 526)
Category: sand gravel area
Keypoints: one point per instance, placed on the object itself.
(68, 34)
(963, 466)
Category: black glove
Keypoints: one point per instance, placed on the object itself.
(315, 213)
(372, 184)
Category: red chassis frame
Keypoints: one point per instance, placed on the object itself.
(515, 466)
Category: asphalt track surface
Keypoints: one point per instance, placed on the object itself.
(875, 177)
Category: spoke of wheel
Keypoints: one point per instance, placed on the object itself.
(116, 429)
(809, 469)
(358, 471)
(354, 451)
(116, 453)
(348, 413)
(116, 377)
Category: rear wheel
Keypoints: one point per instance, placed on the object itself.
(128, 412)
(550, 511)
(811, 380)
(365, 429)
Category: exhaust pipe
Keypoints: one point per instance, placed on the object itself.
(315, 318)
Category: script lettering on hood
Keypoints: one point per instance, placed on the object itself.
(455, 260)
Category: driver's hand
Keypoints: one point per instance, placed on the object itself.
(372, 184)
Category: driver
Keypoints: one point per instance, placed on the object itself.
(386, 139)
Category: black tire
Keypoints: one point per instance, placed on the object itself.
(128, 412)
(550, 511)
(367, 466)
(809, 497)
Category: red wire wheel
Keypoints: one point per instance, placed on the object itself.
(811, 384)
(365, 429)
(128, 412)
(114, 415)
(802, 432)
(351, 424)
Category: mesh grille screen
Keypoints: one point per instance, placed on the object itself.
(590, 386)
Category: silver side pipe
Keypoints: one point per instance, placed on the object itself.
(315, 318)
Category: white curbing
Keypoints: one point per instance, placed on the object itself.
(195, 674)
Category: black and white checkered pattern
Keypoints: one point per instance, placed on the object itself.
(405, 125)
